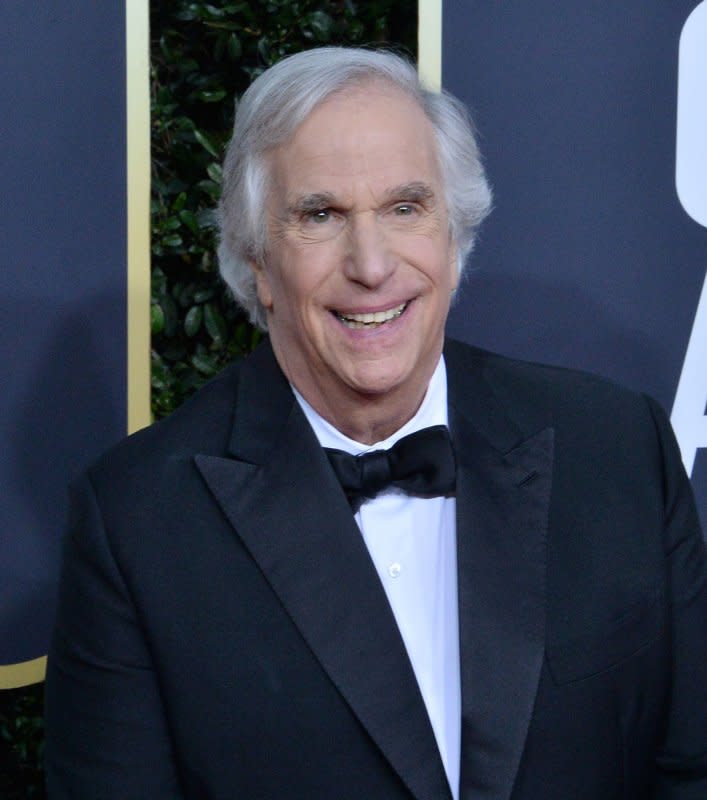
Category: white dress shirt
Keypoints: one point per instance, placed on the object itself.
(412, 542)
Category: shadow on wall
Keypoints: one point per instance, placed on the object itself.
(524, 317)
(66, 405)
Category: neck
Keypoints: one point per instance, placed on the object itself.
(365, 417)
(370, 418)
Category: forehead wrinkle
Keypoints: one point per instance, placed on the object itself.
(358, 156)
(361, 137)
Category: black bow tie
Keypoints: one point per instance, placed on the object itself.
(420, 464)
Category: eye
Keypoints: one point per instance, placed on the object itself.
(404, 209)
(320, 215)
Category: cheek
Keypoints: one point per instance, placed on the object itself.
(291, 294)
(307, 274)
(434, 258)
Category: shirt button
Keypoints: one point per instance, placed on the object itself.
(394, 569)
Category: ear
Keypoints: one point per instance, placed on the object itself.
(262, 284)
(453, 266)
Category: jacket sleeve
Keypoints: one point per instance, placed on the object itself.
(682, 758)
(106, 731)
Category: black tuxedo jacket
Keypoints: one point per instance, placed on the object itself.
(222, 632)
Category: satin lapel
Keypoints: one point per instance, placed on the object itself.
(503, 494)
(284, 502)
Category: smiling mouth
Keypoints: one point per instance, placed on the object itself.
(370, 319)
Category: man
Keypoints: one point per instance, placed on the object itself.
(245, 613)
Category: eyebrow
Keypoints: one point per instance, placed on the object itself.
(414, 192)
(311, 202)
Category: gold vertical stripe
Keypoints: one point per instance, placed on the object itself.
(138, 198)
(13, 676)
(429, 43)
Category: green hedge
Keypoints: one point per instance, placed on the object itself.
(203, 55)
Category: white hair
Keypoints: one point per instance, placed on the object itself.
(280, 100)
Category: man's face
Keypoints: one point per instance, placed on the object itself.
(359, 267)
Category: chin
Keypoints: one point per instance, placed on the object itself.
(380, 381)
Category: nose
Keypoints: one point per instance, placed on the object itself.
(369, 260)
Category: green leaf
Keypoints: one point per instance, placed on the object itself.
(207, 219)
(159, 281)
(235, 48)
(179, 201)
(190, 220)
(223, 26)
(212, 96)
(215, 323)
(172, 241)
(215, 172)
(192, 321)
(214, 11)
(205, 365)
(211, 188)
(204, 141)
(321, 24)
(169, 309)
(186, 15)
(264, 49)
(156, 319)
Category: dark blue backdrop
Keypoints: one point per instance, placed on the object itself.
(588, 260)
(62, 284)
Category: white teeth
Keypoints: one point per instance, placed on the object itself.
(357, 321)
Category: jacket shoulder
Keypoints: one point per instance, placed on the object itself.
(200, 425)
(593, 418)
(533, 385)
